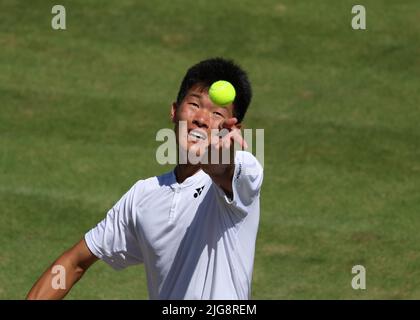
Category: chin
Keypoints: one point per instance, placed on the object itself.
(190, 149)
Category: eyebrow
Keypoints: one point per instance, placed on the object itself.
(195, 95)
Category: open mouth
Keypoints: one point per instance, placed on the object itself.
(197, 135)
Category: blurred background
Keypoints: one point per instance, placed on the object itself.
(80, 108)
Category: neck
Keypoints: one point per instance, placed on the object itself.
(183, 171)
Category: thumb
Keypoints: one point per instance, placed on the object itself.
(229, 123)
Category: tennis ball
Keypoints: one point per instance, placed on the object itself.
(222, 93)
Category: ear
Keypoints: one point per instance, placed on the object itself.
(173, 112)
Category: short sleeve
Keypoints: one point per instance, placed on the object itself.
(246, 182)
(114, 239)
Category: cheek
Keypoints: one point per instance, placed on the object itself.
(215, 123)
(183, 113)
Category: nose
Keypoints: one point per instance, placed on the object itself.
(202, 119)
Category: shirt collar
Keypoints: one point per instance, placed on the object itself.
(195, 178)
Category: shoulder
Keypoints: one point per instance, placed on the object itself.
(143, 187)
(165, 179)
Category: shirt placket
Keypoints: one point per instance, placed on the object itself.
(174, 204)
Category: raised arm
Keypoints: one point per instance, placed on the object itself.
(60, 277)
(222, 173)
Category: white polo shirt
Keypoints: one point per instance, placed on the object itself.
(194, 241)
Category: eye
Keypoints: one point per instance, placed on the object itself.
(194, 104)
(218, 114)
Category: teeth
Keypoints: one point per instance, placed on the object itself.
(197, 134)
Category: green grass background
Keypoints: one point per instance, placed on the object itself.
(80, 109)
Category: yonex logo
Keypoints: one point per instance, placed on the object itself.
(198, 191)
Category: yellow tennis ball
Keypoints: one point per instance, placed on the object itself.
(222, 93)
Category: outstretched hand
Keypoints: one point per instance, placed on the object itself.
(229, 133)
(221, 153)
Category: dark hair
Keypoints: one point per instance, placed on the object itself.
(208, 71)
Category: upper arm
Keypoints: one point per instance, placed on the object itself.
(115, 239)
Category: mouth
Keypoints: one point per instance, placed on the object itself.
(197, 135)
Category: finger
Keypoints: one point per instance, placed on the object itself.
(236, 136)
(223, 133)
(227, 143)
(229, 123)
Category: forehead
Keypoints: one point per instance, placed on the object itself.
(198, 89)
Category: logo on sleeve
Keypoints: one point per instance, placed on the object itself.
(198, 191)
